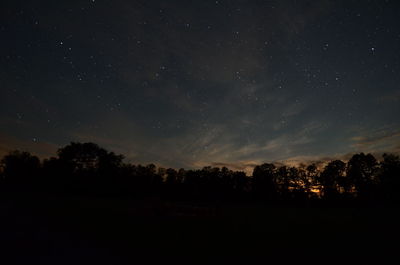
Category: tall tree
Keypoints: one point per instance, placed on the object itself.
(264, 181)
(330, 176)
(361, 170)
(89, 158)
(390, 177)
(20, 166)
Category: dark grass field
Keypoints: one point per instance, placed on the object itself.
(72, 230)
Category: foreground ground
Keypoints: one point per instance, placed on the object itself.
(72, 230)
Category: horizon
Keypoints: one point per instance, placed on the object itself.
(247, 167)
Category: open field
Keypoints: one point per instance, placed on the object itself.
(53, 230)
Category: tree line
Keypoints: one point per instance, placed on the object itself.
(87, 169)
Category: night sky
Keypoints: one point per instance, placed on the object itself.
(196, 83)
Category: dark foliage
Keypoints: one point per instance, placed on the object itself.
(87, 169)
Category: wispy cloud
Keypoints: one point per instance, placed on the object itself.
(380, 140)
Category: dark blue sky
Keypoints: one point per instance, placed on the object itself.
(194, 83)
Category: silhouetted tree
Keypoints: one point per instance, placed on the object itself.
(361, 170)
(91, 168)
(89, 157)
(20, 167)
(330, 176)
(87, 168)
(390, 177)
(312, 179)
(172, 176)
(264, 181)
(240, 181)
(181, 175)
(301, 184)
(283, 179)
